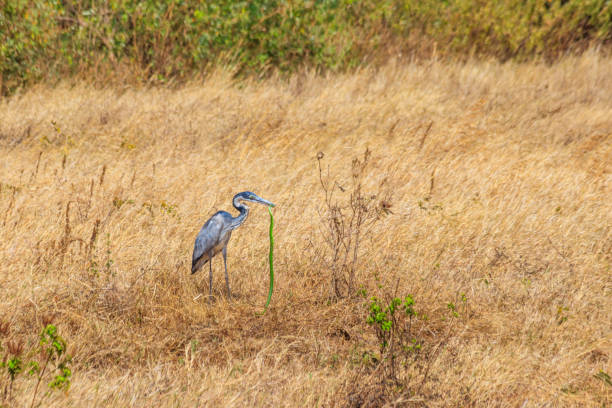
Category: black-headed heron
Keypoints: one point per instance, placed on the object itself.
(216, 232)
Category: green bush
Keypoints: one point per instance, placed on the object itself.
(48, 360)
(159, 40)
(508, 28)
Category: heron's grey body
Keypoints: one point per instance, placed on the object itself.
(216, 232)
(211, 239)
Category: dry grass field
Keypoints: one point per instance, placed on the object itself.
(488, 196)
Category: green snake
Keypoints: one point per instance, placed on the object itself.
(271, 258)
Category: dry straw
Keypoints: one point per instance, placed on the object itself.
(498, 224)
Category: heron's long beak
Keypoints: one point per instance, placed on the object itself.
(266, 202)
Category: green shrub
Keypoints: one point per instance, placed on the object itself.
(508, 28)
(48, 360)
(160, 40)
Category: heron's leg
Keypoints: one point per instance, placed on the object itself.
(210, 296)
(226, 275)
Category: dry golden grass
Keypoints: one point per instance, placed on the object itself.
(501, 191)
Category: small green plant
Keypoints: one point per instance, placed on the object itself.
(392, 323)
(52, 349)
(13, 366)
(452, 309)
(461, 305)
(384, 320)
(48, 359)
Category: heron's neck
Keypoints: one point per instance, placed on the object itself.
(244, 211)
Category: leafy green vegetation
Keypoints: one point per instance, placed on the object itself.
(384, 320)
(400, 347)
(47, 360)
(163, 40)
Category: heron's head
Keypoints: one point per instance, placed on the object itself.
(251, 197)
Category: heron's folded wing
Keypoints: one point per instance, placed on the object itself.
(207, 239)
